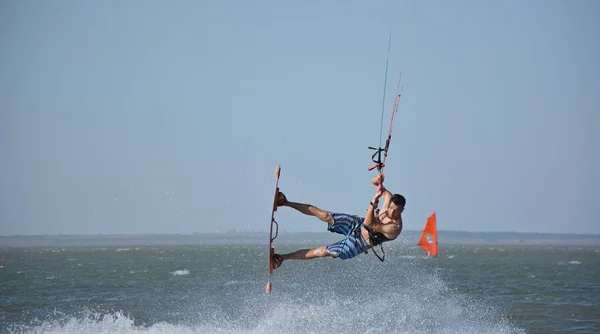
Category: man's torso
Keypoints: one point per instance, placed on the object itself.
(383, 219)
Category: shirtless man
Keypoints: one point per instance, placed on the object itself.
(378, 226)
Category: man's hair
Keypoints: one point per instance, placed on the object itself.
(399, 200)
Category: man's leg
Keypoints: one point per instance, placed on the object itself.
(344, 249)
(343, 225)
(306, 254)
(302, 254)
(306, 209)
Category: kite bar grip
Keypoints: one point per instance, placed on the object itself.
(277, 171)
(375, 166)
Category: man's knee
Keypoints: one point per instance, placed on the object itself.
(326, 217)
(321, 252)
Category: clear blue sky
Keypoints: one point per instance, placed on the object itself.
(160, 116)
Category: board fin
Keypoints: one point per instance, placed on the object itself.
(429, 238)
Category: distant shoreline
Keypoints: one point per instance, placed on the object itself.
(296, 238)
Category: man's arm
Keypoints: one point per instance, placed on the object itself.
(385, 193)
(372, 222)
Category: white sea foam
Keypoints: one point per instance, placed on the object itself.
(138, 271)
(238, 282)
(562, 263)
(180, 272)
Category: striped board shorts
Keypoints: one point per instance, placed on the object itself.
(354, 243)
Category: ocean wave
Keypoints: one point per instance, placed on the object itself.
(93, 322)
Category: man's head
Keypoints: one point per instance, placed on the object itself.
(397, 203)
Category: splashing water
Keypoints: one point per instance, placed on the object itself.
(415, 300)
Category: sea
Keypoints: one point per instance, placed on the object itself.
(216, 284)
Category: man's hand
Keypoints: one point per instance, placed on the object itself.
(377, 179)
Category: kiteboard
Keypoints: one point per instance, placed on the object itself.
(276, 230)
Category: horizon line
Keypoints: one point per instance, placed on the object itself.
(289, 233)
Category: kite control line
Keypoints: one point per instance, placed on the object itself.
(376, 157)
(380, 164)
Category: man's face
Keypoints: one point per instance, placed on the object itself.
(394, 211)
